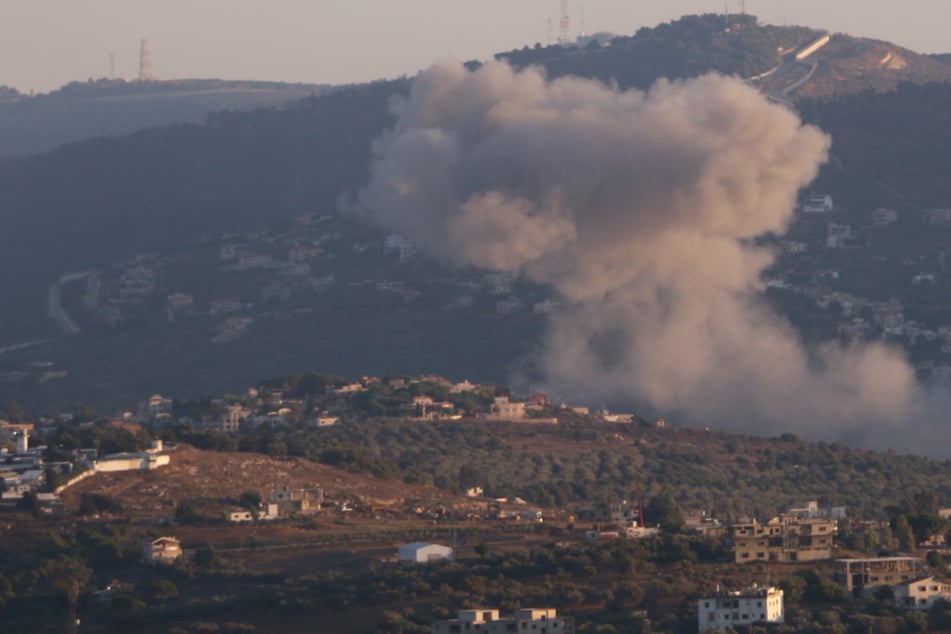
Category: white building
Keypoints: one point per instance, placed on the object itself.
(540, 620)
(145, 461)
(728, 610)
(882, 217)
(818, 205)
(421, 552)
(921, 594)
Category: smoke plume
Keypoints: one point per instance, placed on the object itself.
(639, 209)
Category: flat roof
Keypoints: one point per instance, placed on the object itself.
(871, 559)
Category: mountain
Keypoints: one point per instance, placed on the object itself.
(190, 193)
(849, 65)
(83, 110)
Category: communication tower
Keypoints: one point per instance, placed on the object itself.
(549, 33)
(565, 25)
(145, 62)
(112, 65)
(582, 33)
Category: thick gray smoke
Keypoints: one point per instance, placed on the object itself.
(640, 210)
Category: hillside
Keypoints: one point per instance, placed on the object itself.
(188, 193)
(214, 481)
(335, 570)
(83, 110)
(850, 65)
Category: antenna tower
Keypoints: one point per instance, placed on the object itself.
(565, 24)
(549, 32)
(582, 33)
(112, 65)
(743, 7)
(145, 62)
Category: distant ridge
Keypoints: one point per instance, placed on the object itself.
(105, 107)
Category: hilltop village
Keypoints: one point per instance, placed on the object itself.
(845, 274)
(150, 482)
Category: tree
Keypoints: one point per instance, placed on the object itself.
(870, 540)
(27, 502)
(662, 509)
(63, 575)
(251, 500)
(904, 534)
(794, 589)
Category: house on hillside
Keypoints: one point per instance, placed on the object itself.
(290, 501)
(164, 550)
(421, 552)
(505, 409)
(921, 594)
(543, 620)
(784, 538)
(729, 610)
(818, 205)
(862, 577)
(937, 217)
(883, 217)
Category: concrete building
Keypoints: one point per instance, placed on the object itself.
(535, 620)
(784, 538)
(504, 409)
(862, 577)
(921, 594)
(421, 552)
(290, 501)
(164, 550)
(144, 461)
(811, 510)
(727, 610)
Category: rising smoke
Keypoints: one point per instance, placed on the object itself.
(639, 210)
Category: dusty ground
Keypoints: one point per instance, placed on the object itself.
(215, 478)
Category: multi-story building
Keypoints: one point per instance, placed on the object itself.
(921, 594)
(727, 610)
(535, 620)
(784, 538)
(164, 550)
(862, 577)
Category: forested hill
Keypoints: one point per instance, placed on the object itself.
(95, 201)
(691, 46)
(89, 203)
(890, 147)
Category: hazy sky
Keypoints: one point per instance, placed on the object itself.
(47, 43)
